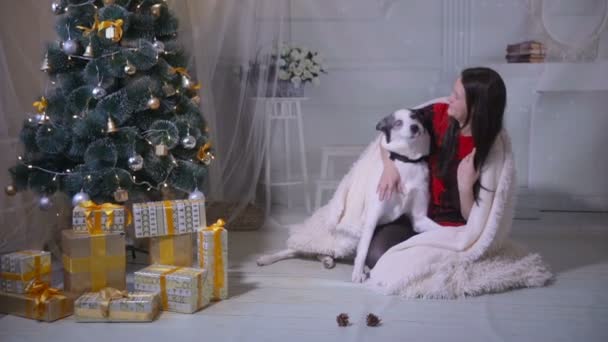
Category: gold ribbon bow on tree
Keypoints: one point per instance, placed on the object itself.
(183, 72)
(204, 153)
(88, 31)
(94, 222)
(107, 295)
(41, 105)
(42, 292)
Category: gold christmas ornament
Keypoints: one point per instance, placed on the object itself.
(153, 103)
(130, 69)
(121, 195)
(111, 126)
(45, 64)
(10, 190)
(156, 10)
(88, 51)
(108, 2)
(161, 150)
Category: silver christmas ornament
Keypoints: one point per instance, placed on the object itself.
(186, 82)
(196, 195)
(130, 69)
(88, 52)
(56, 7)
(158, 46)
(136, 162)
(45, 66)
(79, 198)
(41, 118)
(98, 92)
(153, 103)
(121, 195)
(189, 142)
(44, 203)
(70, 46)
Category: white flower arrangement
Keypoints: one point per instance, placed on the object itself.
(299, 65)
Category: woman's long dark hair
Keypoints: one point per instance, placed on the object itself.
(486, 98)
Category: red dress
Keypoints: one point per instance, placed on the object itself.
(444, 207)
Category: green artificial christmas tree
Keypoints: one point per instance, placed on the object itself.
(121, 119)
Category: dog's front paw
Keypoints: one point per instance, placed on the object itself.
(358, 276)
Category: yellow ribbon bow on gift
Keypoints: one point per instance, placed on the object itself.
(116, 24)
(94, 223)
(219, 224)
(40, 105)
(88, 31)
(42, 293)
(107, 295)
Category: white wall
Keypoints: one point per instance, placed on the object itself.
(389, 54)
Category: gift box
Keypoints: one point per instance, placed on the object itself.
(92, 262)
(42, 303)
(19, 268)
(212, 255)
(112, 305)
(88, 217)
(168, 217)
(174, 250)
(182, 289)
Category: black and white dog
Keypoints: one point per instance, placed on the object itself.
(407, 137)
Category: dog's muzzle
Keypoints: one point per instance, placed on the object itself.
(386, 125)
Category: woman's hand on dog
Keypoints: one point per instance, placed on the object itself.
(390, 181)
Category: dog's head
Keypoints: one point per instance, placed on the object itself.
(406, 132)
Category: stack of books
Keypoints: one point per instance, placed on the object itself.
(529, 51)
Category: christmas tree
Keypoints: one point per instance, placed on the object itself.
(121, 116)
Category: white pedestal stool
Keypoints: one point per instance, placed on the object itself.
(329, 154)
(283, 111)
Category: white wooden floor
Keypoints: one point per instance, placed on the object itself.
(298, 300)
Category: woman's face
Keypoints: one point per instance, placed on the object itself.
(458, 103)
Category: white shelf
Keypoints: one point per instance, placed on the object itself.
(559, 77)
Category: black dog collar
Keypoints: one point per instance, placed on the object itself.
(396, 156)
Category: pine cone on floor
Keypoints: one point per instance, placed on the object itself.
(373, 320)
(342, 320)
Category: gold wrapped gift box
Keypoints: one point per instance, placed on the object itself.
(168, 217)
(88, 217)
(175, 250)
(212, 255)
(182, 289)
(112, 305)
(41, 303)
(17, 269)
(92, 263)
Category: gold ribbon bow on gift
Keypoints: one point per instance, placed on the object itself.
(218, 269)
(92, 213)
(107, 295)
(40, 105)
(100, 26)
(42, 292)
(116, 24)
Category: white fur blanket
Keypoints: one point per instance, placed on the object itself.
(452, 262)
